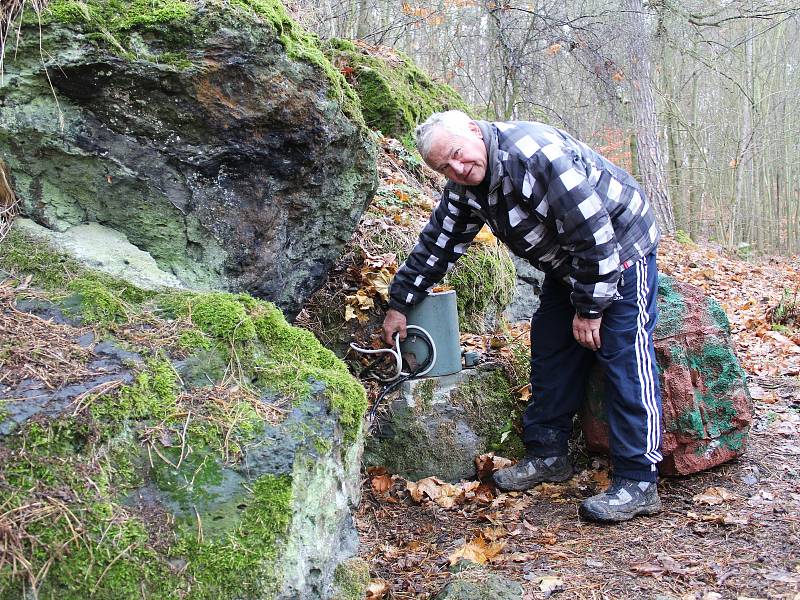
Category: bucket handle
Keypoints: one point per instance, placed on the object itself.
(395, 352)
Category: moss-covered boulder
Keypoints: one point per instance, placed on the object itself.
(395, 94)
(439, 425)
(214, 135)
(485, 281)
(707, 405)
(125, 474)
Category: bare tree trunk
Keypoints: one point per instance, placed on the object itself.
(645, 120)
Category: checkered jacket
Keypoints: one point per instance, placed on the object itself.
(554, 201)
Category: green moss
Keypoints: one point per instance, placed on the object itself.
(224, 528)
(492, 411)
(98, 304)
(74, 533)
(282, 358)
(222, 316)
(189, 480)
(237, 565)
(351, 579)
(484, 280)
(194, 339)
(152, 395)
(306, 46)
(294, 359)
(395, 94)
(205, 367)
(425, 390)
(683, 237)
(22, 255)
(97, 298)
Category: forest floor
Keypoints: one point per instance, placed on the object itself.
(732, 532)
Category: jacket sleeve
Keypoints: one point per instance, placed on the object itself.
(583, 226)
(452, 227)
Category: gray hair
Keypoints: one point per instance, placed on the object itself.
(452, 121)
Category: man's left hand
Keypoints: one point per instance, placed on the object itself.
(587, 331)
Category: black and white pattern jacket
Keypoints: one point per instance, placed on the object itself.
(554, 201)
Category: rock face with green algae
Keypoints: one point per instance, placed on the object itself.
(707, 405)
(144, 486)
(211, 134)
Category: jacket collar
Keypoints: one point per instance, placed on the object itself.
(493, 165)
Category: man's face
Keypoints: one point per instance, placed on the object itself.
(461, 159)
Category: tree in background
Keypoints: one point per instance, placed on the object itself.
(713, 110)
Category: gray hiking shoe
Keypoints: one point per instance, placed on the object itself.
(623, 500)
(532, 470)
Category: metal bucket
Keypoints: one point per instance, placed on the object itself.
(438, 315)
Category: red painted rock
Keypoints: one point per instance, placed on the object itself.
(707, 406)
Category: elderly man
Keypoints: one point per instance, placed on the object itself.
(586, 223)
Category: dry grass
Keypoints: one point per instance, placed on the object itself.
(10, 11)
(8, 202)
(33, 348)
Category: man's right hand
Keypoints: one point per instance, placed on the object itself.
(394, 322)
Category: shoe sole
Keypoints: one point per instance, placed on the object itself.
(621, 516)
(521, 487)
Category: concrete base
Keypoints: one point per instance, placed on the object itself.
(433, 426)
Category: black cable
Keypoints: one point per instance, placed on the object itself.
(426, 363)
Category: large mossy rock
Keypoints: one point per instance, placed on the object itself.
(172, 445)
(395, 94)
(214, 135)
(707, 405)
(528, 286)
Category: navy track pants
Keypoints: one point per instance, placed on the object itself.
(560, 367)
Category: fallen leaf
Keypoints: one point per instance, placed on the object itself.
(377, 589)
(486, 464)
(521, 556)
(494, 533)
(553, 49)
(484, 494)
(430, 486)
(381, 483)
(479, 550)
(601, 478)
(349, 313)
(783, 577)
(485, 236)
(714, 495)
(547, 538)
(549, 584)
(523, 393)
(730, 519)
(650, 569)
(551, 491)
